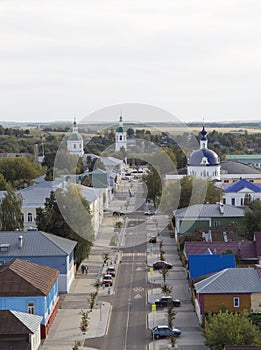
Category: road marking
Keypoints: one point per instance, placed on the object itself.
(139, 269)
(134, 254)
(138, 289)
(137, 296)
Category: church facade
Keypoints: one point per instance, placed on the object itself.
(75, 142)
(204, 163)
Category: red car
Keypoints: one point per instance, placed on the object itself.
(153, 239)
(158, 265)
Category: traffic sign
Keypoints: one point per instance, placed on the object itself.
(153, 307)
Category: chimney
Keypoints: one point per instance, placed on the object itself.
(20, 241)
(221, 208)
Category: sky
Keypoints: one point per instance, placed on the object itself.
(193, 59)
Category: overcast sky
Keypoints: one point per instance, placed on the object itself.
(194, 59)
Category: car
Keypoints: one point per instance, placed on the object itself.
(118, 213)
(107, 280)
(164, 331)
(149, 212)
(158, 265)
(167, 300)
(111, 271)
(153, 239)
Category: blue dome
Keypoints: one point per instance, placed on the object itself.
(196, 158)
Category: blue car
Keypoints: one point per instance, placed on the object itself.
(164, 332)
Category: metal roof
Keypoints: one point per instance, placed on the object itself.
(231, 280)
(209, 210)
(15, 322)
(32, 322)
(35, 243)
(240, 185)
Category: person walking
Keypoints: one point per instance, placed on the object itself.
(83, 268)
(86, 268)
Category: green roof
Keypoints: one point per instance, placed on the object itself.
(74, 137)
(119, 129)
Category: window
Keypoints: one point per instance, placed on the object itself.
(236, 302)
(233, 201)
(226, 181)
(224, 200)
(30, 308)
(216, 223)
(241, 201)
(74, 145)
(30, 217)
(22, 217)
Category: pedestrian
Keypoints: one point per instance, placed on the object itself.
(86, 268)
(83, 268)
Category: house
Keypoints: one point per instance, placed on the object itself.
(253, 160)
(41, 248)
(241, 193)
(248, 252)
(236, 289)
(30, 288)
(199, 265)
(19, 330)
(35, 197)
(198, 216)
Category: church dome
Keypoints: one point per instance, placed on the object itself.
(75, 136)
(203, 157)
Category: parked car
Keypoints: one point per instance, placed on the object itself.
(153, 239)
(149, 212)
(107, 280)
(164, 331)
(158, 265)
(118, 213)
(111, 271)
(167, 300)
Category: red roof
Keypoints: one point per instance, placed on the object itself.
(247, 249)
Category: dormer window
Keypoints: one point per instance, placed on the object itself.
(4, 247)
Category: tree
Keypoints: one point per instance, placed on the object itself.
(76, 225)
(153, 183)
(2, 182)
(10, 211)
(252, 219)
(225, 328)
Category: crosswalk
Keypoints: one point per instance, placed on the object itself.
(133, 254)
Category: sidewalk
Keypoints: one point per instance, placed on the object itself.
(66, 327)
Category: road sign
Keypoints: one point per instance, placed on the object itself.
(153, 307)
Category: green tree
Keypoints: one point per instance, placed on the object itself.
(225, 328)
(19, 168)
(10, 211)
(153, 183)
(77, 226)
(2, 182)
(252, 219)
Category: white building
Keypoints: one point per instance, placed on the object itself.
(120, 137)
(241, 193)
(75, 142)
(204, 163)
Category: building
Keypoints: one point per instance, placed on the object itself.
(234, 289)
(30, 288)
(204, 163)
(241, 193)
(253, 160)
(75, 142)
(120, 137)
(205, 216)
(43, 249)
(19, 330)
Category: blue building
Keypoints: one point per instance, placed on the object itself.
(41, 248)
(30, 288)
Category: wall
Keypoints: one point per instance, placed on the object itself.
(213, 302)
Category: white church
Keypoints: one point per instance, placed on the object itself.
(75, 141)
(120, 137)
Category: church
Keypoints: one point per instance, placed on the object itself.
(120, 137)
(75, 142)
(204, 163)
